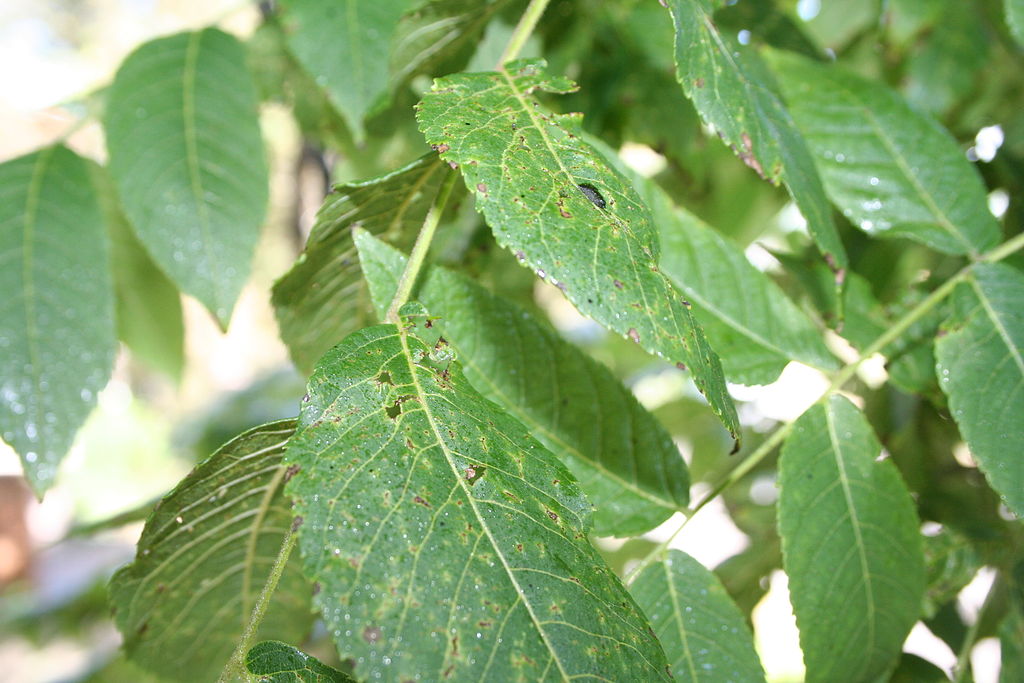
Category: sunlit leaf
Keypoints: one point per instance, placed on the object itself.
(980, 365)
(275, 662)
(891, 170)
(705, 636)
(552, 200)
(444, 541)
(188, 161)
(203, 559)
(321, 299)
(57, 338)
(734, 93)
(850, 545)
(625, 461)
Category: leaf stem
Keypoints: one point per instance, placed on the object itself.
(523, 30)
(961, 671)
(420, 249)
(235, 668)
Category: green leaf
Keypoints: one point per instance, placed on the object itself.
(705, 636)
(321, 299)
(1011, 640)
(203, 559)
(342, 44)
(850, 545)
(751, 323)
(187, 158)
(275, 662)
(1015, 19)
(57, 340)
(625, 461)
(734, 93)
(445, 542)
(945, 69)
(892, 171)
(551, 199)
(980, 365)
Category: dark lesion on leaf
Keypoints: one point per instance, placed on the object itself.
(474, 473)
(592, 194)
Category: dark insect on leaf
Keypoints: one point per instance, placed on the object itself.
(592, 194)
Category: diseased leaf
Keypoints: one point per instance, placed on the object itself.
(57, 340)
(705, 636)
(275, 662)
(751, 323)
(203, 559)
(445, 542)
(892, 171)
(551, 199)
(850, 545)
(321, 299)
(188, 161)
(625, 461)
(734, 93)
(1015, 18)
(980, 366)
(341, 43)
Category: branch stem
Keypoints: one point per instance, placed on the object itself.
(522, 32)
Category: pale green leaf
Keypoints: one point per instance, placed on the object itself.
(733, 92)
(203, 559)
(343, 45)
(57, 338)
(551, 199)
(980, 365)
(892, 171)
(705, 636)
(850, 544)
(188, 161)
(752, 324)
(444, 540)
(625, 461)
(275, 662)
(1015, 19)
(322, 298)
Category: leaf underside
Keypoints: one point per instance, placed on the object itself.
(443, 540)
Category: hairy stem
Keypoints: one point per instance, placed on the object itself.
(527, 23)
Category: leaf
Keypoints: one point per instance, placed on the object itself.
(706, 637)
(1015, 19)
(550, 198)
(340, 44)
(445, 542)
(850, 545)
(187, 158)
(318, 302)
(276, 662)
(980, 366)
(57, 340)
(1011, 640)
(945, 69)
(892, 171)
(752, 324)
(625, 461)
(203, 559)
(733, 92)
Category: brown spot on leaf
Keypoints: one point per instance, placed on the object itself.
(700, 81)
(371, 634)
(618, 284)
(681, 366)
(421, 501)
(297, 522)
(291, 471)
(441, 148)
(474, 473)
(634, 335)
(481, 187)
(552, 514)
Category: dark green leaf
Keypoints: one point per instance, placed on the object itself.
(980, 365)
(914, 669)
(850, 545)
(945, 69)
(950, 562)
(1011, 639)
(321, 299)
(276, 662)
(57, 338)
(894, 172)
(445, 542)
(551, 199)
(733, 92)
(187, 158)
(705, 636)
(625, 461)
(1015, 18)
(203, 559)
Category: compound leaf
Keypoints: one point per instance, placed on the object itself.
(188, 160)
(705, 636)
(444, 540)
(275, 662)
(625, 461)
(204, 557)
(57, 339)
(551, 199)
(850, 545)
(980, 365)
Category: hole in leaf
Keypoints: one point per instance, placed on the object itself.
(474, 473)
